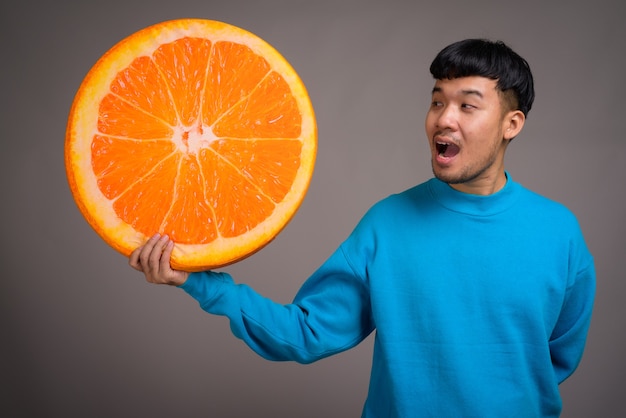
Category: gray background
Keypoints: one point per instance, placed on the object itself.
(82, 334)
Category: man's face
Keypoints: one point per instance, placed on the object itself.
(468, 131)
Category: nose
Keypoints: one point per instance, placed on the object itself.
(443, 117)
(446, 118)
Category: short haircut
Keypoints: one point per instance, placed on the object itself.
(491, 59)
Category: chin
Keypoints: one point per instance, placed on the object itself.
(447, 175)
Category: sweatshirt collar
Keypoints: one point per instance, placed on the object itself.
(472, 204)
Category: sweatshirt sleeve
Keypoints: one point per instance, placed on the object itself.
(568, 338)
(329, 314)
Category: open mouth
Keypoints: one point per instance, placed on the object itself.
(447, 149)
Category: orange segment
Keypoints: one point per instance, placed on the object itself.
(117, 162)
(270, 111)
(270, 164)
(234, 71)
(196, 129)
(152, 194)
(183, 64)
(142, 86)
(191, 219)
(239, 205)
(118, 117)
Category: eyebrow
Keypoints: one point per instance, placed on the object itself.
(469, 92)
(472, 92)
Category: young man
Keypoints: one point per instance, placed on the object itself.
(480, 291)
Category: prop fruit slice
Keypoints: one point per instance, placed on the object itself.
(196, 129)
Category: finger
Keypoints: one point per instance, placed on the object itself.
(166, 256)
(156, 254)
(133, 260)
(146, 251)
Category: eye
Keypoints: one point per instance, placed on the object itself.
(467, 106)
(436, 103)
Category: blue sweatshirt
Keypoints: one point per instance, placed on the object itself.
(481, 304)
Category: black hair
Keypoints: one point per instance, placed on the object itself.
(491, 59)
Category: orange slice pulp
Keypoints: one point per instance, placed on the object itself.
(196, 129)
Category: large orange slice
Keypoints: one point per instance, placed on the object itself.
(196, 129)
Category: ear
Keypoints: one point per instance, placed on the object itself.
(513, 124)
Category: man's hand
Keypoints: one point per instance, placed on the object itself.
(153, 260)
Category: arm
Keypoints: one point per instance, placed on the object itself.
(330, 313)
(568, 338)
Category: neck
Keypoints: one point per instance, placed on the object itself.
(482, 185)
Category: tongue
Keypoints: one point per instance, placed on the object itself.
(451, 151)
